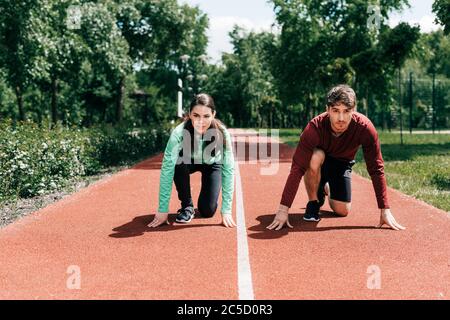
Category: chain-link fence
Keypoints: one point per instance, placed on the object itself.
(424, 104)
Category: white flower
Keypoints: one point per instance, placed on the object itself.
(22, 165)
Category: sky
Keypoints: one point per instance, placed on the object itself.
(258, 15)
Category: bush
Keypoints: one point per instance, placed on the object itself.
(118, 146)
(36, 160)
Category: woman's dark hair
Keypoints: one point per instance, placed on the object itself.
(206, 100)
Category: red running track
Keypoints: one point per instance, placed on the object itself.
(102, 232)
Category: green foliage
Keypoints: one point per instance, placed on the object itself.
(420, 167)
(244, 87)
(442, 10)
(280, 78)
(323, 43)
(120, 64)
(83, 69)
(36, 160)
(435, 53)
(121, 145)
(397, 44)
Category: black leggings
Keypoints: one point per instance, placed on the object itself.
(211, 183)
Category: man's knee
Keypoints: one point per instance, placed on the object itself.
(317, 159)
(342, 209)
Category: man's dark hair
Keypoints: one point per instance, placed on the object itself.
(341, 94)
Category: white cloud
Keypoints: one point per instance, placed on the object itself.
(220, 26)
(227, 23)
(426, 23)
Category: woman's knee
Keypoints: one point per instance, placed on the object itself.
(181, 168)
(207, 211)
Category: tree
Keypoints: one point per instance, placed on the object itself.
(323, 43)
(436, 53)
(157, 37)
(194, 43)
(62, 50)
(108, 49)
(19, 50)
(442, 10)
(244, 85)
(435, 57)
(224, 85)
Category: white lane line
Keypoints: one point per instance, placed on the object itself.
(245, 283)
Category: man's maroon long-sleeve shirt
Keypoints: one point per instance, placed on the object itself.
(318, 134)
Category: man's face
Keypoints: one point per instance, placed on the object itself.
(340, 117)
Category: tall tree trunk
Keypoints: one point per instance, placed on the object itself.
(400, 102)
(384, 119)
(19, 97)
(306, 114)
(39, 110)
(54, 100)
(119, 101)
(146, 111)
(367, 103)
(433, 101)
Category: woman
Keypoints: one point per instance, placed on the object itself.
(200, 143)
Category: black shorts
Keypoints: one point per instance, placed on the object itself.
(338, 175)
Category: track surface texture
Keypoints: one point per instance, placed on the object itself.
(96, 244)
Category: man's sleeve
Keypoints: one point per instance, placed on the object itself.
(300, 163)
(375, 165)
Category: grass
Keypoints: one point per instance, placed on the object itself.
(420, 167)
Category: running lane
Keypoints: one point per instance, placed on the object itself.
(342, 258)
(100, 234)
(95, 245)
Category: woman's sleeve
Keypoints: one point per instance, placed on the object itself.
(171, 154)
(227, 176)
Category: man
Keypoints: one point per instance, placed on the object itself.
(325, 156)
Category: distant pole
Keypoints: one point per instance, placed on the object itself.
(439, 87)
(433, 102)
(400, 103)
(180, 99)
(184, 59)
(410, 102)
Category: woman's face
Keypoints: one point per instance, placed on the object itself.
(201, 118)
